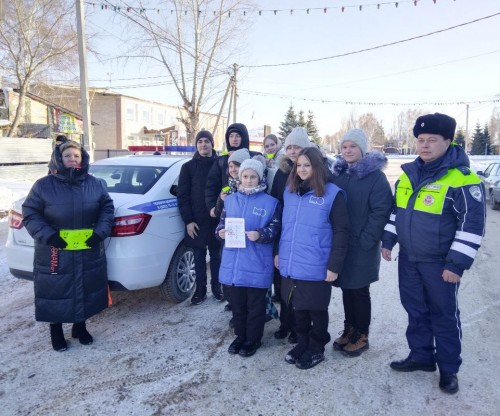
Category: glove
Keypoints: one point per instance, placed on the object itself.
(93, 240)
(57, 242)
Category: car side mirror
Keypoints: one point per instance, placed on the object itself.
(173, 190)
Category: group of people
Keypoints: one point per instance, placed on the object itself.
(287, 219)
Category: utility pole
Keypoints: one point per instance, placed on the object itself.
(466, 128)
(229, 87)
(84, 91)
(235, 90)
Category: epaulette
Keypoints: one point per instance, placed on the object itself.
(464, 169)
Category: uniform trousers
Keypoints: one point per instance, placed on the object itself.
(434, 331)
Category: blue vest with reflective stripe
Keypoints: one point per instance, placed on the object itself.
(306, 236)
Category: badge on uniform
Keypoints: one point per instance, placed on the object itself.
(428, 200)
(476, 193)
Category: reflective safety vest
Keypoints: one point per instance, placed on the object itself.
(431, 197)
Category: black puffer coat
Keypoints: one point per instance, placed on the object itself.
(191, 197)
(369, 203)
(70, 286)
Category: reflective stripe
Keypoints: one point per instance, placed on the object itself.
(390, 228)
(464, 249)
(472, 238)
(392, 217)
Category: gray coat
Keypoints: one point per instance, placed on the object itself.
(369, 202)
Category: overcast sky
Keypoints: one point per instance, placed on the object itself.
(458, 65)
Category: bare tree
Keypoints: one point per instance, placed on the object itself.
(36, 40)
(373, 129)
(192, 40)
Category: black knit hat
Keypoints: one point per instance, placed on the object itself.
(205, 134)
(436, 123)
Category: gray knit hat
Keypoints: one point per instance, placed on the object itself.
(239, 156)
(298, 137)
(253, 164)
(358, 137)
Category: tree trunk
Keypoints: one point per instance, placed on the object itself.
(19, 110)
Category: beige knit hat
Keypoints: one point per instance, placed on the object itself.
(298, 137)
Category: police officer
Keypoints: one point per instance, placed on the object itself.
(438, 221)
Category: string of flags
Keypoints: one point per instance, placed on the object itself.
(394, 104)
(260, 12)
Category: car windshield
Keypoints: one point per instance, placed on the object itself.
(128, 179)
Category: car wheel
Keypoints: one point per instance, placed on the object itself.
(493, 202)
(180, 280)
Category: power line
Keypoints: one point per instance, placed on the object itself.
(373, 47)
(375, 103)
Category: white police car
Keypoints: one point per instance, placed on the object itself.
(145, 249)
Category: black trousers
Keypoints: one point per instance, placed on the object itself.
(358, 308)
(249, 311)
(287, 319)
(312, 329)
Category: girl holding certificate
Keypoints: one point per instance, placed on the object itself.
(249, 223)
(69, 213)
(312, 248)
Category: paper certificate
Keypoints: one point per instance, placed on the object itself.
(235, 233)
(76, 238)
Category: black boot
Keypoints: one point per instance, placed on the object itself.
(80, 331)
(57, 338)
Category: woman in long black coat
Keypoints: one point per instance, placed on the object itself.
(369, 203)
(70, 285)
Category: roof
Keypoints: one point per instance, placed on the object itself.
(52, 104)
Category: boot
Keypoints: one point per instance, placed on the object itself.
(80, 331)
(356, 345)
(57, 338)
(345, 335)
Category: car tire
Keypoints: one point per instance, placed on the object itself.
(180, 279)
(495, 205)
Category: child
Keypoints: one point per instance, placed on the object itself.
(249, 271)
(312, 249)
(233, 181)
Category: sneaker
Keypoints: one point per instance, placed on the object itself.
(345, 335)
(236, 345)
(309, 360)
(281, 333)
(217, 292)
(228, 307)
(356, 345)
(294, 354)
(198, 298)
(249, 348)
(293, 338)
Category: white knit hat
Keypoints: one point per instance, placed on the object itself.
(358, 137)
(298, 137)
(253, 164)
(239, 156)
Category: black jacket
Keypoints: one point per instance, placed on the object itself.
(369, 203)
(70, 286)
(191, 197)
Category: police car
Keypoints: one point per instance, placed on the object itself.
(145, 249)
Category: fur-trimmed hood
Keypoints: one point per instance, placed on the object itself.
(371, 162)
(285, 164)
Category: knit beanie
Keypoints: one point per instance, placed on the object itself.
(253, 164)
(298, 137)
(204, 134)
(239, 156)
(436, 123)
(358, 137)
